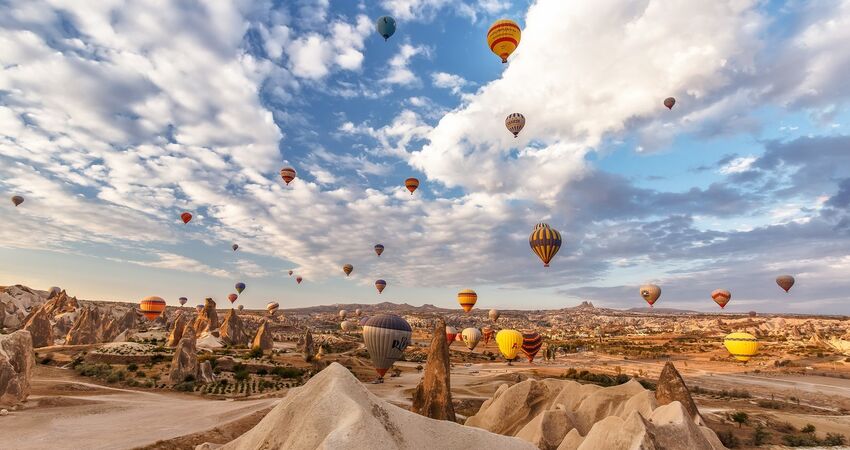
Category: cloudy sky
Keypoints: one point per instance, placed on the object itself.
(118, 115)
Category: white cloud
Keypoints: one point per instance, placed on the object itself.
(453, 82)
(399, 72)
(738, 165)
(314, 56)
(426, 10)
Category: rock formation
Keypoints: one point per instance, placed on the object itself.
(61, 304)
(433, 396)
(232, 330)
(39, 326)
(207, 320)
(263, 339)
(184, 364)
(319, 415)
(87, 329)
(205, 373)
(305, 346)
(176, 334)
(16, 366)
(15, 302)
(671, 388)
(565, 415)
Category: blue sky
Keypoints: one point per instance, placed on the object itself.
(117, 116)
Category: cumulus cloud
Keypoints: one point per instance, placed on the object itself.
(426, 10)
(399, 72)
(454, 83)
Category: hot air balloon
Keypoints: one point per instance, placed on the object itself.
(348, 268)
(540, 225)
(298, 279)
(379, 248)
(291, 272)
(545, 242)
(531, 343)
(721, 297)
(199, 308)
(182, 300)
(186, 217)
(669, 102)
(17, 200)
(358, 312)
(380, 285)
(471, 337)
(487, 333)
(240, 287)
(785, 282)
(234, 247)
(503, 38)
(342, 314)
(514, 123)
(240, 307)
(467, 299)
(742, 346)
(451, 334)
(411, 184)
(288, 174)
(494, 315)
(151, 307)
(385, 26)
(347, 326)
(232, 298)
(650, 293)
(363, 320)
(272, 307)
(509, 342)
(386, 336)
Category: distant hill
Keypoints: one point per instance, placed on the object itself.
(647, 310)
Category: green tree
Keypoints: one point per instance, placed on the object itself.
(741, 418)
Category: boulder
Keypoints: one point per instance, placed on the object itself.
(15, 303)
(17, 361)
(232, 330)
(184, 364)
(39, 326)
(205, 373)
(87, 329)
(263, 339)
(548, 429)
(207, 320)
(671, 388)
(180, 323)
(433, 396)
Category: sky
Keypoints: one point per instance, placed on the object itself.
(118, 115)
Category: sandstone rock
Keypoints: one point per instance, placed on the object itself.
(184, 364)
(61, 303)
(205, 373)
(17, 361)
(180, 323)
(39, 326)
(87, 329)
(671, 387)
(305, 346)
(207, 320)
(263, 340)
(232, 330)
(15, 303)
(433, 397)
(548, 429)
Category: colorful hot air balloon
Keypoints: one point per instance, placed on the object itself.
(342, 313)
(348, 268)
(487, 333)
(347, 326)
(240, 307)
(232, 298)
(509, 342)
(379, 248)
(17, 200)
(272, 307)
(380, 285)
(669, 102)
(363, 320)
(240, 287)
(151, 307)
(471, 337)
(514, 123)
(451, 334)
(385, 26)
(386, 336)
(234, 247)
(494, 315)
(742, 346)
(411, 184)
(650, 293)
(721, 297)
(540, 225)
(288, 174)
(298, 279)
(503, 38)
(182, 300)
(186, 217)
(358, 312)
(531, 343)
(545, 242)
(467, 299)
(785, 282)
(199, 308)
(291, 272)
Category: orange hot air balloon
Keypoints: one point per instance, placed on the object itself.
(186, 217)
(503, 38)
(785, 282)
(298, 279)
(380, 285)
(411, 184)
(288, 174)
(650, 293)
(348, 268)
(721, 297)
(151, 307)
(669, 102)
(467, 299)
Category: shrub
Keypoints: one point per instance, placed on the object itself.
(740, 418)
(132, 367)
(187, 386)
(256, 352)
(287, 372)
(834, 440)
(800, 440)
(262, 371)
(240, 375)
(728, 439)
(809, 428)
(759, 435)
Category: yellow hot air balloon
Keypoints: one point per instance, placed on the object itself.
(467, 299)
(742, 346)
(509, 342)
(545, 242)
(503, 38)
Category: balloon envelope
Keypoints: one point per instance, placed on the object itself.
(234, 247)
(467, 298)
(494, 314)
(509, 342)
(503, 38)
(379, 248)
(386, 336)
(411, 184)
(240, 287)
(742, 346)
(287, 174)
(650, 293)
(380, 285)
(385, 26)
(291, 272)
(232, 297)
(531, 343)
(17, 200)
(348, 268)
(186, 217)
(487, 334)
(298, 279)
(785, 282)
(347, 325)
(152, 307)
(358, 312)
(240, 307)
(514, 123)
(342, 314)
(471, 337)
(451, 334)
(183, 300)
(721, 297)
(545, 243)
(669, 102)
(199, 308)
(272, 307)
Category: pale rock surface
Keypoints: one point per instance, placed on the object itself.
(205, 373)
(15, 303)
(232, 330)
(305, 346)
(263, 340)
(335, 411)
(207, 320)
(39, 326)
(433, 397)
(87, 329)
(179, 324)
(671, 387)
(185, 361)
(17, 361)
(207, 341)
